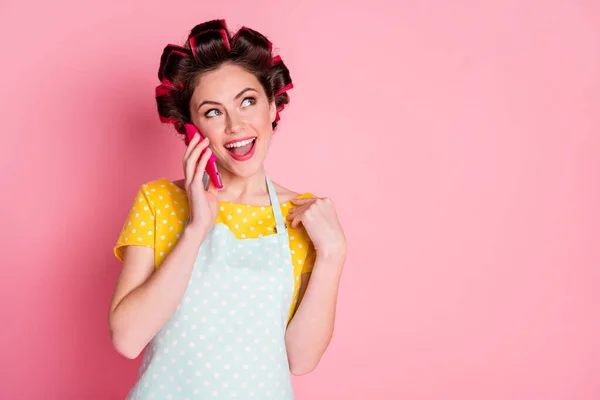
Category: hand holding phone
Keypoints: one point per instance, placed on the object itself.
(211, 166)
(201, 195)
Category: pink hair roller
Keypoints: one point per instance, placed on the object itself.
(225, 39)
(162, 90)
(167, 120)
(276, 60)
(285, 88)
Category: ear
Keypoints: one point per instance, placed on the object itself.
(272, 111)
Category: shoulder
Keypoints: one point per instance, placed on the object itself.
(160, 191)
(286, 195)
(160, 185)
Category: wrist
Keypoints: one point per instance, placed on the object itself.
(334, 256)
(195, 231)
(329, 266)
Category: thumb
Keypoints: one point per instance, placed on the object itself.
(209, 186)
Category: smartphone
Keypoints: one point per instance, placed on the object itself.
(211, 166)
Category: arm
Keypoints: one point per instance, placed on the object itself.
(311, 329)
(145, 298)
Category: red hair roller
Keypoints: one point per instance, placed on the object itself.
(167, 120)
(276, 60)
(285, 88)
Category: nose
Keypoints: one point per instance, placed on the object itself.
(233, 123)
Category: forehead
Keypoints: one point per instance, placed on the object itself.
(224, 84)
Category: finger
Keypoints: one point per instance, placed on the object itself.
(299, 209)
(296, 218)
(210, 186)
(192, 160)
(197, 141)
(198, 148)
(296, 221)
(201, 166)
(191, 145)
(305, 200)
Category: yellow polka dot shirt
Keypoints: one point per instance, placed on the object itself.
(160, 210)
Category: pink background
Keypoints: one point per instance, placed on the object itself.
(469, 188)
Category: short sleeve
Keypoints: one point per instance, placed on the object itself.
(139, 227)
(311, 254)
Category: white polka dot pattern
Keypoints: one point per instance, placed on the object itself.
(226, 339)
(151, 214)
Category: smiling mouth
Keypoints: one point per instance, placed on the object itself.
(241, 148)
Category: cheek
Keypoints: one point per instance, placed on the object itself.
(212, 136)
(211, 129)
(262, 119)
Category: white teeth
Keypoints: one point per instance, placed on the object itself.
(239, 144)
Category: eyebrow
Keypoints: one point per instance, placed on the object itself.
(235, 98)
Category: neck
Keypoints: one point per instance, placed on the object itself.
(242, 189)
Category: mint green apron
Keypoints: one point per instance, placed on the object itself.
(226, 340)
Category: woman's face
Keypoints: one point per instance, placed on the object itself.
(231, 109)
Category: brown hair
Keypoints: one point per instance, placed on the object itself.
(209, 46)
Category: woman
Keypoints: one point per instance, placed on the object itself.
(228, 290)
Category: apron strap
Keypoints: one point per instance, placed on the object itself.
(279, 220)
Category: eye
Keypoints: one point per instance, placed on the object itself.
(213, 112)
(248, 101)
